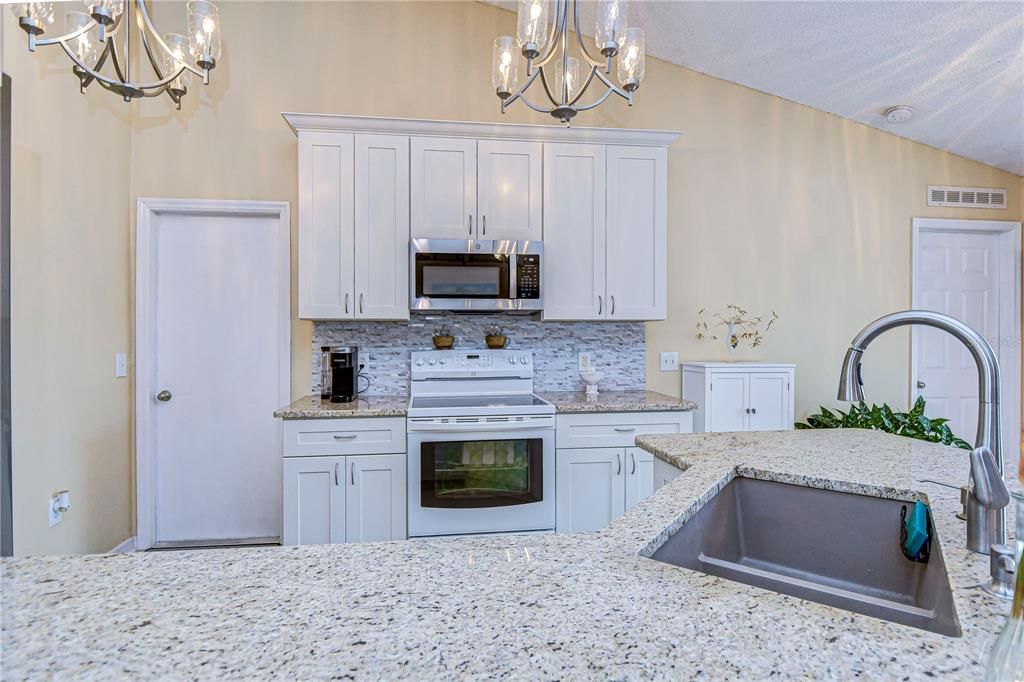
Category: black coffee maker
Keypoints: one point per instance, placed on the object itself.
(344, 364)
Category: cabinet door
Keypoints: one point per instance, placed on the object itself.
(376, 498)
(382, 227)
(728, 408)
(639, 475)
(574, 241)
(590, 488)
(769, 401)
(636, 228)
(314, 500)
(325, 226)
(442, 187)
(509, 191)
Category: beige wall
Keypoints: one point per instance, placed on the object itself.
(70, 304)
(772, 205)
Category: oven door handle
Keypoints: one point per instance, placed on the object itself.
(486, 426)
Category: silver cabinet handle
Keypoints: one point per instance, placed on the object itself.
(613, 306)
(345, 436)
(483, 223)
(470, 224)
(753, 410)
(346, 303)
(625, 429)
(633, 458)
(352, 472)
(164, 396)
(748, 410)
(336, 465)
(618, 459)
(360, 303)
(921, 384)
(599, 305)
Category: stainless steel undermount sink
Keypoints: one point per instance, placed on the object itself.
(834, 548)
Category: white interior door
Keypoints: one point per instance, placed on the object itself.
(213, 360)
(958, 274)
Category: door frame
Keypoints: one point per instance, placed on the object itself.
(148, 212)
(1009, 353)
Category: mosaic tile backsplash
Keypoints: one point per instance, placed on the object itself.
(617, 348)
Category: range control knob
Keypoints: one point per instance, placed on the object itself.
(511, 360)
(419, 363)
(433, 362)
(524, 359)
(443, 362)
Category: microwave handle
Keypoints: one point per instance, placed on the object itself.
(513, 276)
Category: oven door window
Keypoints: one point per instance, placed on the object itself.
(462, 275)
(481, 473)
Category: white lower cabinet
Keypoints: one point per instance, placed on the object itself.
(596, 485)
(332, 498)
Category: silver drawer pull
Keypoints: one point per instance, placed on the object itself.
(625, 429)
(347, 436)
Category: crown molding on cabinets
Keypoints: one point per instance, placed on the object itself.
(503, 131)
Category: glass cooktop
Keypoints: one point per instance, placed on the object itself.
(456, 402)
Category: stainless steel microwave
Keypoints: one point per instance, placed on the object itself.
(486, 274)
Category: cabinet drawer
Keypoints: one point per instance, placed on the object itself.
(313, 437)
(617, 429)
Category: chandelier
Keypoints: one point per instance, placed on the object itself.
(542, 37)
(89, 43)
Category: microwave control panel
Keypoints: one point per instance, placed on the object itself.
(528, 276)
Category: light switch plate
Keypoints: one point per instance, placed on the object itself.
(121, 365)
(669, 361)
(585, 363)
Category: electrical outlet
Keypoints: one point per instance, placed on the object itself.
(120, 365)
(585, 363)
(54, 515)
(669, 361)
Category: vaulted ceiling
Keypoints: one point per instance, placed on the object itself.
(959, 65)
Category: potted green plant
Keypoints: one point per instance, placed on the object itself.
(443, 338)
(495, 336)
(913, 424)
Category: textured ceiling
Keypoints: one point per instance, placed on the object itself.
(960, 65)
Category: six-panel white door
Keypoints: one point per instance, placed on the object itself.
(325, 225)
(768, 401)
(574, 249)
(591, 492)
(636, 233)
(639, 475)
(443, 187)
(375, 503)
(728, 402)
(314, 500)
(509, 202)
(381, 227)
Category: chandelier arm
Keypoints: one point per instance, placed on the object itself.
(558, 27)
(614, 88)
(106, 80)
(519, 93)
(600, 100)
(67, 36)
(535, 107)
(579, 37)
(116, 62)
(547, 90)
(86, 79)
(590, 78)
(144, 14)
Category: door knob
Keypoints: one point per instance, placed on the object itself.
(164, 396)
(921, 384)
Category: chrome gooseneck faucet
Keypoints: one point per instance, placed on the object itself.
(987, 493)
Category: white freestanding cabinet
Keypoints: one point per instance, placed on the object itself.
(353, 210)
(599, 472)
(740, 396)
(337, 494)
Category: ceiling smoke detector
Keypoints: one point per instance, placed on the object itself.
(899, 114)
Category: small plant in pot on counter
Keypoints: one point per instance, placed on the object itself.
(443, 338)
(911, 424)
(495, 336)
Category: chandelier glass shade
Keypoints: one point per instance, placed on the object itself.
(542, 43)
(91, 42)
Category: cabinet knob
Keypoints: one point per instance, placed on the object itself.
(470, 224)
(921, 384)
(164, 396)
(483, 224)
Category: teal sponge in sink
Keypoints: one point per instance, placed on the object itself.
(916, 526)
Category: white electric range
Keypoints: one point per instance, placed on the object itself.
(481, 445)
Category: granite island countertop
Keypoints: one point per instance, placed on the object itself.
(565, 402)
(526, 607)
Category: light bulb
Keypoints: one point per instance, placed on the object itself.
(611, 26)
(504, 67)
(85, 47)
(175, 59)
(572, 80)
(532, 26)
(203, 19)
(631, 60)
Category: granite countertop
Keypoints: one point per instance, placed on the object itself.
(569, 402)
(528, 606)
(310, 407)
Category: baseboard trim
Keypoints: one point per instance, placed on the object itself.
(127, 546)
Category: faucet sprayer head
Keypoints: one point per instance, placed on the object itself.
(851, 387)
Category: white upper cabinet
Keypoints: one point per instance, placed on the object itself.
(574, 243)
(326, 225)
(636, 228)
(509, 202)
(443, 187)
(381, 227)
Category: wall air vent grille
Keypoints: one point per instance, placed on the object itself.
(966, 197)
